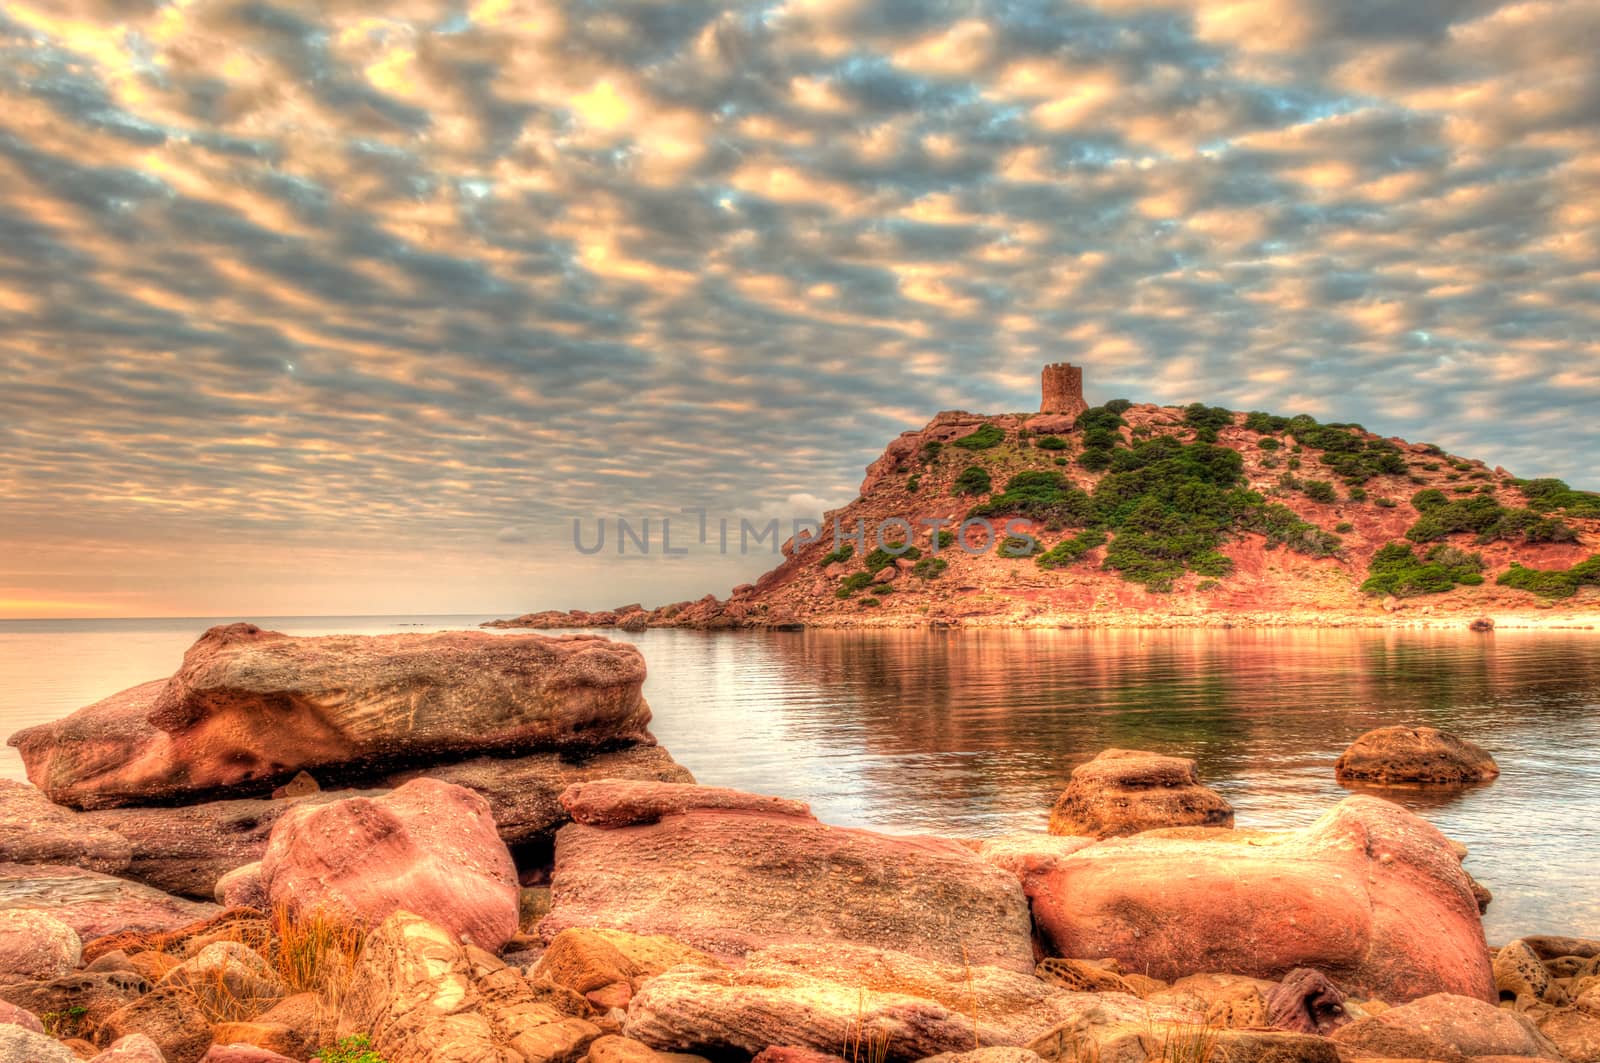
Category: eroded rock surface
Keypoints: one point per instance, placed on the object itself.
(94, 904)
(729, 880)
(250, 708)
(1124, 791)
(34, 830)
(1416, 755)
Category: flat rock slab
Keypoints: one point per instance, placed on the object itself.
(730, 880)
(34, 830)
(248, 709)
(94, 904)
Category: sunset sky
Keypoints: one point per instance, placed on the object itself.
(350, 308)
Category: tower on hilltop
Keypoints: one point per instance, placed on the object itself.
(1062, 386)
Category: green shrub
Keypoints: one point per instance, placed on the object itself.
(1039, 494)
(1396, 570)
(930, 567)
(1294, 463)
(1268, 443)
(1095, 460)
(1344, 527)
(913, 483)
(1052, 443)
(930, 450)
(1320, 491)
(356, 1048)
(881, 559)
(986, 436)
(1015, 546)
(844, 552)
(1386, 503)
(1429, 500)
(974, 480)
(944, 538)
(1553, 583)
(1061, 461)
(1358, 494)
(1200, 416)
(856, 581)
(1484, 516)
(870, 603)
(1261, 422)
(1548, 494)
(1117, 407)
(1070, 550)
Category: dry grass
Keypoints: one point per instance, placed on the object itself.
(860, 1044)
(315, 952)
(1186, 1042)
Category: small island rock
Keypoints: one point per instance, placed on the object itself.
(1414, 755)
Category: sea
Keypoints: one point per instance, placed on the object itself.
(969, 733)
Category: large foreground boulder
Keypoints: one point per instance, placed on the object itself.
(1392, 756)
(34, 944)
(250, 708)
(891, 1004)
(728, 873)
(1370, 894)
(1125, 791)
(94, 904)
(428, 846)
(34, 830)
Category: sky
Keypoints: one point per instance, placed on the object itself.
(332, 307)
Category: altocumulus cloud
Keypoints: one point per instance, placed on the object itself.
(430, 276)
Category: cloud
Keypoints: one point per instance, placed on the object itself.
(291, 278)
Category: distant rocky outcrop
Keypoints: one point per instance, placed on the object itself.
(1137, 515)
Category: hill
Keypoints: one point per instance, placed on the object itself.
(1141, 515)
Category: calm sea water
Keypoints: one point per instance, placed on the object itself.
(971, 733)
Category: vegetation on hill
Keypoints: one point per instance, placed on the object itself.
(1553, 583)
(1397, 570)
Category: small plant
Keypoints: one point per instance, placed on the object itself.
(870, 603)
(1344, 527)
(1320, 491)
(357, 1048)
(844, 552)
(1015, 546)
(986, 436)
(856, 581)
(913, 482)
(1358, 494)
(1071, 550)
(1268, 443)
(929, 568)
(1186, 1042)
(1396, 570)
(944, 538)
(64, 1024)
(930, 451)
(1051, 443)
(1553, 583)
(974, 480)
(1385, 503)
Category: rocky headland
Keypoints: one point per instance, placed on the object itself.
(1137, 515)
(466, 848)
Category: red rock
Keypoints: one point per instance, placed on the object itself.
(1465, 1026)
(249, 708)
(1124, 791)
(1423, 755)
(730, 879)
(169, 1016)
(36, 945)
(11, 1015)
(1370, 894)
(35, 831)
(627, 802)
(427, 847)
(94, 904)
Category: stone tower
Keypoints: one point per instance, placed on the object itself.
(1063, 389)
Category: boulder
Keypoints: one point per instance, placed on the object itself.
(135, 1048)
(242, 888)
(893, 1004)
(94, 904)
(36, 945)
(170, 1016)
(1369, 894)
(250, 708)
(11, 1015)
(79, 1001)
(1307, 1002)
(1414, 755)
(727, 880)
(420, 997)
(1124, 791)
(188, 849)
(1444, 1026)
(34, 830)
(19, 1045)
(243, 1053)
(1574, 1032)
(428, 846)
(1519, 974)
(608, 966)
(614, 1049)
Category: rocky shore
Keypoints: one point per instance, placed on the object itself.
(467, 848)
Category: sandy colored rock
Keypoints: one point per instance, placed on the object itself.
(250, 708)
(36, 945)
(19, 1045)
(614, 1049)
(135, 1048)
(244, 1053)
(34, 830)
(242, 888)
(1519, 974)
(1125, 791)
(996, 1054)
(1461, 1025)
(428, 846)
(820, 996)
(727, 881)
(245, 925)
(170, 1016)
(1421, 755)
(1082, 976)
(231, 980)
(1575, 1032)
(607, 966)
(91, 903)
(80, 1001)
(11, 1015)
(627, 802)
(1369, 894)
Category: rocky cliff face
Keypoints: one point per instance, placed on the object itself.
(1149, 515)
